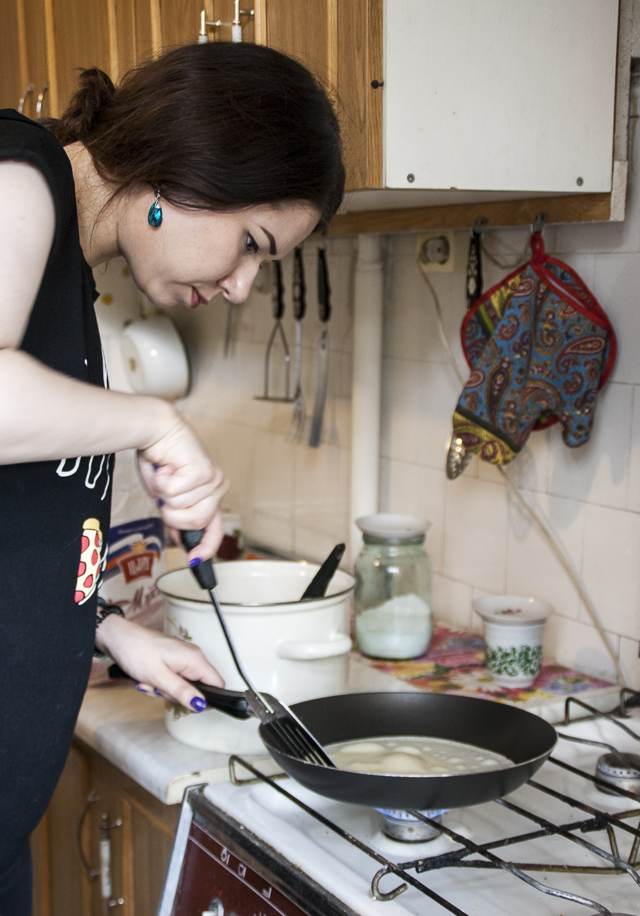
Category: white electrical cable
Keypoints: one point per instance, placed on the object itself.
(556, 547)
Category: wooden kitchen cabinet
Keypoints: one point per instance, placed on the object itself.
(141, 833)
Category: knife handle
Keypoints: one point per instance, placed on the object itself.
(278, 291)
(299, 285)
(324, 290)
(204, 570)
(231, 702)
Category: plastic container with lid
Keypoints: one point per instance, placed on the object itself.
(393, 594)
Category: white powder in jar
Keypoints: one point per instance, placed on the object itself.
(399, 628)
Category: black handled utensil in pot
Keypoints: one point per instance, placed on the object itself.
(320, 582)
(284, 728)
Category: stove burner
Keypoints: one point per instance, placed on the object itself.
(621, 770)
(402, 826)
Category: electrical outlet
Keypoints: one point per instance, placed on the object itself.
(443, 252)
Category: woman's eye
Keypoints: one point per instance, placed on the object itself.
(252, 245)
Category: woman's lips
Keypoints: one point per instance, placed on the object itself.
(196, 298)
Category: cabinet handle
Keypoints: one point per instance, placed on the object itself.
(104, 872)
(105, 861)
(30, 88)
(236, 25)
(91, 798)
(45, 89)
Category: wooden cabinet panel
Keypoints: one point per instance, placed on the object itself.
(10, 83)
(79, 37)
(300, 28)
(141, 835)
(147, 844)
(34, 56)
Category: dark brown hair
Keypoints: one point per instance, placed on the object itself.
(217, 126)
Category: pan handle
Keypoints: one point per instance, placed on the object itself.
(231, 702)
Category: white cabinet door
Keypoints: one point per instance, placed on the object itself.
(504, 95)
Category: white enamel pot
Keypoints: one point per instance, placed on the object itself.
(291, 649)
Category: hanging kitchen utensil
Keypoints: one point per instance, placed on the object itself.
(318, 585)
(474, 264)
(278, 331)
(540, 347)
(299, 418)
(284, 728)
(324, 305)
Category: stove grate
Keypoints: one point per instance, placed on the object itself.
(598, 821)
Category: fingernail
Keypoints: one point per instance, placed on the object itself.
(198, 704)
(159, 503)
(142, 689)
(195, 562)
(155, 467)
(157, 692)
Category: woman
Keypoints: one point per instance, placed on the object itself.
(201, 165)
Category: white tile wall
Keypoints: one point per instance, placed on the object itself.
(297, 499)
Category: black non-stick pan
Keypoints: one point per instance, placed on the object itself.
(522, 737)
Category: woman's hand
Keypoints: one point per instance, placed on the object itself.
(186, 485)
(158, 661)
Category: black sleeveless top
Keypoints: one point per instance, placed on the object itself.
(54, 524)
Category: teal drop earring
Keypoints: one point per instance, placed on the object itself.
(155, 212)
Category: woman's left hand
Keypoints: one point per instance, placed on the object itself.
(160, 662)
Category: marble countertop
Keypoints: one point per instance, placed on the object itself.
(127, 728)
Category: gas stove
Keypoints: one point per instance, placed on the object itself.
(565, 844)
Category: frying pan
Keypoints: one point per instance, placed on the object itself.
(520, 736)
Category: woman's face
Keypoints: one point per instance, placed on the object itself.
(196, 254)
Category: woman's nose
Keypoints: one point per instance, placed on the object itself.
(236, 286)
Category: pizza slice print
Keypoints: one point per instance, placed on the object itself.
(90, 556)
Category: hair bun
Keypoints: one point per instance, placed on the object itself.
(94, 93)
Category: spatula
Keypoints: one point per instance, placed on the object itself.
(295, 739)
(318, 585)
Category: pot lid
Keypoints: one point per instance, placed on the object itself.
(512, 610)
(387, 525)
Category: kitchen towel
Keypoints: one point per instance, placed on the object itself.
(540, 347)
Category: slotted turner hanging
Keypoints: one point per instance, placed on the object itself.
(282, 723)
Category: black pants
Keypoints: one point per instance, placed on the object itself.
(15, 891)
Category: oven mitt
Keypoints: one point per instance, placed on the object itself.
(540, 347)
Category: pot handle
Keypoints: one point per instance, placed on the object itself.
(308, 651)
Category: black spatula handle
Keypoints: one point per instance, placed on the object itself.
(231, 702)
(204, 570)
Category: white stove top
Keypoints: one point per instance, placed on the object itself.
(347, 872)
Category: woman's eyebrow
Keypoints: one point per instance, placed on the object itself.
(273, 248)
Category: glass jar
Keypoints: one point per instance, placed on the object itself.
(393, 594)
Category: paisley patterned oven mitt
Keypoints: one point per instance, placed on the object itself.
(540, 347)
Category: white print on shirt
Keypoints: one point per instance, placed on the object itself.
(92, 477)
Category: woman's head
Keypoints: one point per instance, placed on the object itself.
(217, 126)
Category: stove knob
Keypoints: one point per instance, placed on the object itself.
(216, 908)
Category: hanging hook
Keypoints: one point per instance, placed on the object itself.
(479, 226)
(539, 222)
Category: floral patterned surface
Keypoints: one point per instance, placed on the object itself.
(455, 664)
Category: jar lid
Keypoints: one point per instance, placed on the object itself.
(392, 526)
(512, 610)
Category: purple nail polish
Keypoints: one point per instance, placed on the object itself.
(159, 503)
(155, 467)
(195, 562)
(198, 704)
(157, 692)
